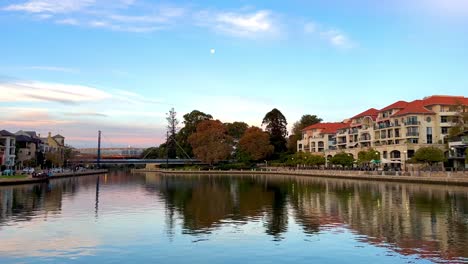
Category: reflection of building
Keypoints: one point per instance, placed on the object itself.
(396, 131)
(458, 148)
(7, 148)
(113, 153)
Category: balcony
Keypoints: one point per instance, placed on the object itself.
(412, 123)
(385, 125)
(412, 134)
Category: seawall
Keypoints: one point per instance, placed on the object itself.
(56, 176)
(446, 178)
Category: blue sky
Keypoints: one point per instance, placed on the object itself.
(76, 66)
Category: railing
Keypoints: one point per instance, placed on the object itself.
(412, 123)
(412, 134)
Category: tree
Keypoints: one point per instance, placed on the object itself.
(191, 121)
(53, 159)
(172, 123)
(154, 152)
(236, 130)
(460, 120)
(255, 144)
(305, 158)
(210, 142)
(343, 159)
(429, 155)
(305, 121)
(276, 126)
(365, 156)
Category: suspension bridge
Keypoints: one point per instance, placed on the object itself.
(123, 156)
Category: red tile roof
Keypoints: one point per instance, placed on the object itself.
(327, 128)
(397, 105)
(445, 100)
(372, 112)
(414, 107)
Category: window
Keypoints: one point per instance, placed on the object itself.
(443, 119)
(428, 119)
(413, 141)
(444, 130)
(429, 135)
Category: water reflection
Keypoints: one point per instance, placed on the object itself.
(429, 221)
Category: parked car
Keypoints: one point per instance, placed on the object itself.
(28, 170)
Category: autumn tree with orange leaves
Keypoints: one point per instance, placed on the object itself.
(211, 142)
(255, 143)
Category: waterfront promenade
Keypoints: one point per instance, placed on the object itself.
(447, 178)
(29, 179)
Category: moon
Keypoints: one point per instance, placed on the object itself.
(212, 51)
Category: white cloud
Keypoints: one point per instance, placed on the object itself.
(334, 37)
(52, 68)
(50, 6)
(68, 21)
(239, 24)
(33, 91)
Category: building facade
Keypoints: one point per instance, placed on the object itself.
(7, 149)
(395, 131)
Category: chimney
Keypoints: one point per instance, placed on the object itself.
(50, 134)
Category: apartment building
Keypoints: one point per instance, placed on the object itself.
(395, 131)
(7, 148)
(27, 146)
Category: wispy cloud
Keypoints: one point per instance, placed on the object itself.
(21, 91)
(112, 15)
(50, 6)
(52, 68)
(332, 36)
(239, 24)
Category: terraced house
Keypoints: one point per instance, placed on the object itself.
(395, 131)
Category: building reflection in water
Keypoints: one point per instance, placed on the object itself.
(428, 220)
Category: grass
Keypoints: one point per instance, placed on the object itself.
(14, 177)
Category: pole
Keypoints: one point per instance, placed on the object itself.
(98, 161)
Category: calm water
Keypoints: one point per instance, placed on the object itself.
(144, 218)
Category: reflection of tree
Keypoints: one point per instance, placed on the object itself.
(277, 219)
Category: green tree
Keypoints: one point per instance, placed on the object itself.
(276, 126)
(154, 152)
(191, 120)
(255, 144)
(429, 155)
(210, 142)
(343, 159)
(236, 130)
(305, 121)
(365, 156)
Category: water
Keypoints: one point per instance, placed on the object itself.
(145, 218)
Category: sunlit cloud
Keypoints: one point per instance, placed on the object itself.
(33, 91)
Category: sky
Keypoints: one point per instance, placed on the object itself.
(74, 67)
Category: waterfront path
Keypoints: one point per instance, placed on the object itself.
(448, 178)
(29, 179)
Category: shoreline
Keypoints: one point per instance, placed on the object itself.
(56, 176)
(459, 179)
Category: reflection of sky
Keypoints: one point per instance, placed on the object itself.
(131, 225)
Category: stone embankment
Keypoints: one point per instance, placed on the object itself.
(29, 179)
(447, 178)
